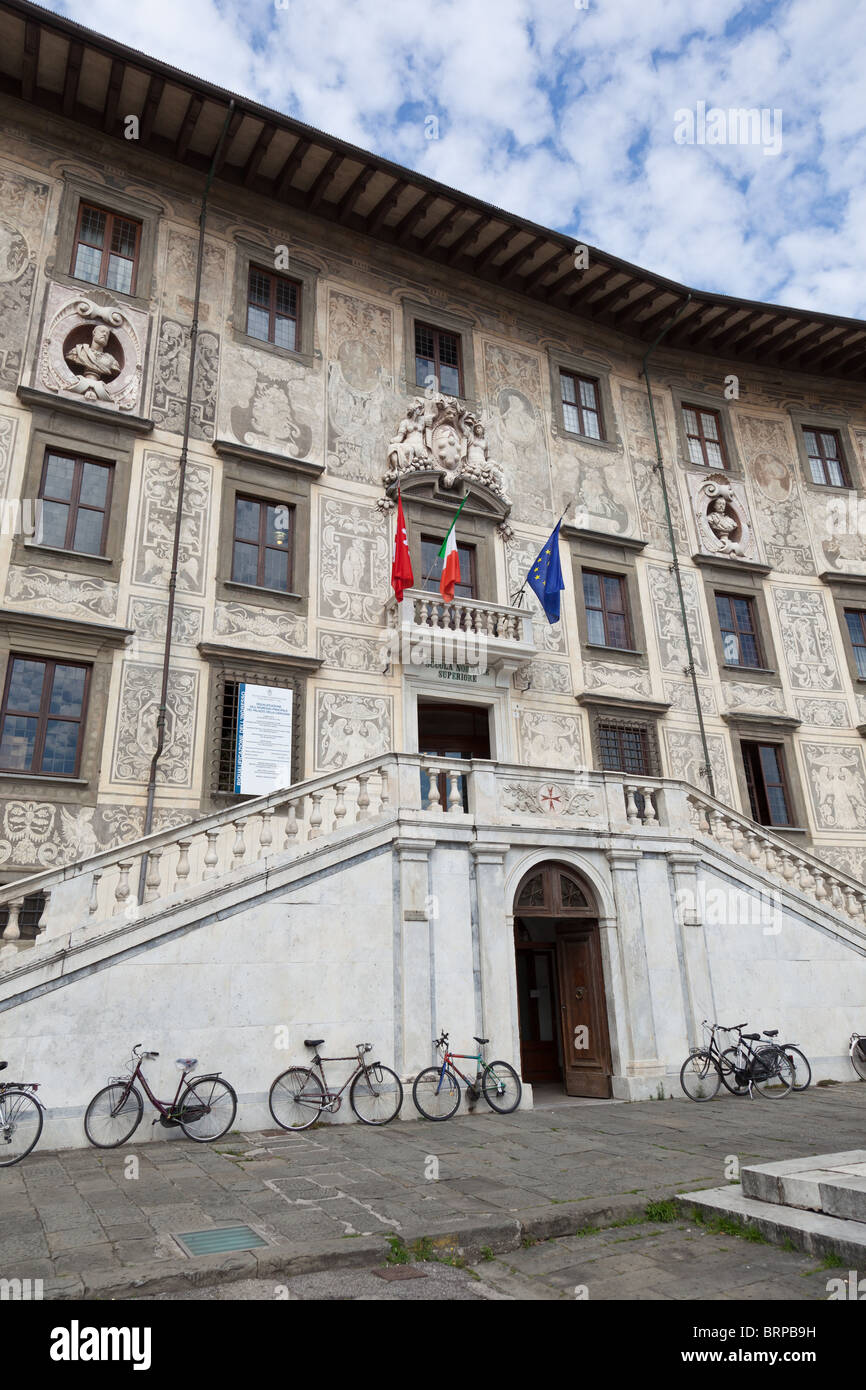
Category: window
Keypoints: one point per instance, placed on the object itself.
(607, 619)
(581, 412)
(855, 619)
(273, 309)
(704, 437)
(76, 496)
(262, 544)
(43, 717)
(766, 782)
(623, 748)
(228, 736)
(106, 249)
(826, 462)
(739, 629)
(431, 567)
(437, 354)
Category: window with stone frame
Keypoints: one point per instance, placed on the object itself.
(225, 696)
(42, 716)
(75, 493)
(623, 744)
(106, 248)
(605, 598)
(826, 457)
(855, 621)
(432, 567)
(438, 355)
(738, 624)
(273, 308)
(703, 432)
(767, 782)
(262, 543)
(581, 405)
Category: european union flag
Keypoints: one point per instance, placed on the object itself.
(545, 577)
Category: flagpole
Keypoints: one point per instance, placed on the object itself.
(429, 573)
(515, 599)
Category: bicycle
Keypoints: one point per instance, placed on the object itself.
(741, 1068)
(436, 1091)
(205, 1110)
(857, 1053)
(798, 1059)
(298, 1096)
(21, 1119)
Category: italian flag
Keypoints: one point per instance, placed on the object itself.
(450, 560)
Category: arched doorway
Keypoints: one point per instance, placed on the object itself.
(560, 982)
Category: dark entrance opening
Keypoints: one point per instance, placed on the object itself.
(452, 731)
(560, 983)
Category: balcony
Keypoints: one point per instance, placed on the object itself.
(466, 636)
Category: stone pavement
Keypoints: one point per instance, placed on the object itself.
(101, 1224)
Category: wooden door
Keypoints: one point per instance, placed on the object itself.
(585, 1042)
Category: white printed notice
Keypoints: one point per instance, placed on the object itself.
(264, 747)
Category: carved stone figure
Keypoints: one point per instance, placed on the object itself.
(439, 434)
(96, 363)
(722, 519)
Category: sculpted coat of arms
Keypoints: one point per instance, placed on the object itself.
(441, 435)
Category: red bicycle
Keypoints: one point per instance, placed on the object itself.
(204, 1111)
(436, 1091)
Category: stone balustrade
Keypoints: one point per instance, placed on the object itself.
(133, 878)
(770, 853)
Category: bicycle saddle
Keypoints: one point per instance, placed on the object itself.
(753, 1037)
(313, 1042)
(482, 1041)
(3, 1066)
(771, 1032)
(186, 1063)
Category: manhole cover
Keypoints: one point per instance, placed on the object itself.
(219, 1240)
(401, 1272)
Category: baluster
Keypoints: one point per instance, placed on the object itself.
(384, 791)
(631, 811)
(820, 886)
(181, 868)
(455, 796)
(339, 804)
(154, 876)
(121, 891)
(315, 815)
(239, 848)
(755, 850)
(789, 866)
(649, 810)
(703, 822)
(862, 899)
(836, 897)
(93, 905)
(211, 858)
(434, 799)
(292, 824)
(738, 839)
(806, 882)
(12, 931)
(43, 916)
(266, 832)
(852, 903)
(363, 810)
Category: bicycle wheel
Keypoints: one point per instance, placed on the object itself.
(112, 1117)
(207, 1109)
(802, 1071)
(858, 1058)
(501, 1087)
(731, 1056)
(699, 1075)
(376, 1095)
(20, 1126)
(436, 1096)
(296, 1098)
(772, 1073)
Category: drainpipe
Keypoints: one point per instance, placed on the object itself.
(181, 484)
(659, 468)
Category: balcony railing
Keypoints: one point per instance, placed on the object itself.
(427, 631)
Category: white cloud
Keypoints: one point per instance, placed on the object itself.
(566, 116)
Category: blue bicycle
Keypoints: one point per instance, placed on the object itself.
(436, 1091)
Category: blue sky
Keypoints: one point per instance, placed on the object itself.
(564, 111)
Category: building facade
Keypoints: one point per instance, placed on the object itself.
(359, 330)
